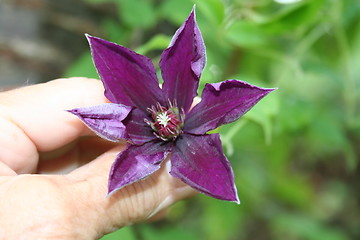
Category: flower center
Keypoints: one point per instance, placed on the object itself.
(163, 118)
(167, 122)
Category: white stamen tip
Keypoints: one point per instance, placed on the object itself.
(163, 118)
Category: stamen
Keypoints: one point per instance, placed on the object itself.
(159, 107)
(170, 104)
(162, 138)
(150, 110)
(182, 115)
(147, 122)
(167, 122)
(163, 118)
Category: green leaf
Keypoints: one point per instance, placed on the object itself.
(137, 13)
(290, 17)
(325, 135)
(158, 42)
(82, 67)
(264, 112)
(124, 233)
(174, 233)
(176, 11)
(245, 34)
(213, 10)
(115, 32)
(227, 138)
(298, 226)
(221, 219)
(290, 188)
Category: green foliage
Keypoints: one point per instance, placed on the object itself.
(82, 67)
(174, 10)
(245, 34)
(295, 154)
(158, 42)
(137, 13)
(124, 233)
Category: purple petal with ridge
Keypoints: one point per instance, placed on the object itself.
(199, 161)
(139, 132)
(105, 119)
(136, 163)
(129, 78)
(222, 103)
(182, 63)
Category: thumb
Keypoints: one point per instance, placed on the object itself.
(134, 203)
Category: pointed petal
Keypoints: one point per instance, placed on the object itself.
(136, 163)
(200, 162)
(222, 103)
(182, 63)
(138, 131)
(105, 119)
(129, 78)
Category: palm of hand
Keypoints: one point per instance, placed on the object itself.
(38, 136)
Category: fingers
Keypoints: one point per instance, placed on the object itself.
(76, 206)
(37, 207)
(17, 152)
(73, 155)
(34, 119)
(136, 202)
(5, 170)
(39, 110)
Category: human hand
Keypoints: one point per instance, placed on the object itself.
(38, 136)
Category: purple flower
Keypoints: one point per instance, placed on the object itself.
(158, 122)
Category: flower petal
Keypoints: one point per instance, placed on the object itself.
(136, 163)
(200, 162)
(129, 78)
(105, 119)
(182, 63)
(222, 103)
(138, 131)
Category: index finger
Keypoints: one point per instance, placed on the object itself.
(38, 118)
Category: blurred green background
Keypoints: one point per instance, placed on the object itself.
(296, 154)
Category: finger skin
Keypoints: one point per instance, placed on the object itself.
(75, 206)
(33, 119)
(17, 151)
(5, 170)
(132, 204)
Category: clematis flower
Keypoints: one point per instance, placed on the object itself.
(158, 122)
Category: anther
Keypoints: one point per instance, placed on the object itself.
(167, 122)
